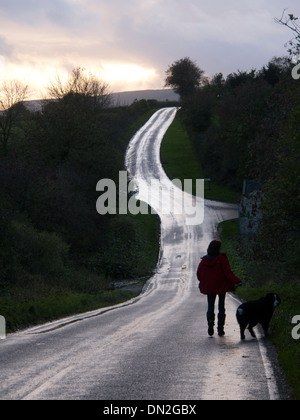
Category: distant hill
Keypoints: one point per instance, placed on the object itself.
(161, 95)
(123, 98)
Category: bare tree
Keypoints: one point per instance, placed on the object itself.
(12, 96)
(79, 83)
(290, 21)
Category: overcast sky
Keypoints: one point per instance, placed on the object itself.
(131, 43)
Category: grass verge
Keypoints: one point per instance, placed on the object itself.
(180, 162)
(20, 315)
(281, 328)
(177, 155)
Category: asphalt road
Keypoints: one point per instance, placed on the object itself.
(154, 347)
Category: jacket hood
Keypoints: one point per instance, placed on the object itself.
(210, 260)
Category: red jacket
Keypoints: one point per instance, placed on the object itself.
(215, 276)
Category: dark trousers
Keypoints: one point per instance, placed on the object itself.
(211, 299)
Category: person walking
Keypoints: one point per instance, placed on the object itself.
(216, 278)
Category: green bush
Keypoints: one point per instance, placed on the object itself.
(39, 252)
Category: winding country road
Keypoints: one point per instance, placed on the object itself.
(154, 347)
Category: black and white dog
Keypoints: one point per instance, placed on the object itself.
(257, 312)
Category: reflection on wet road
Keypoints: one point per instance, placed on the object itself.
(157, 347)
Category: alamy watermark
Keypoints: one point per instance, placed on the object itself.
(296, 329)
(296, 69)
(296, 76)
(152, 196)
(2, 328)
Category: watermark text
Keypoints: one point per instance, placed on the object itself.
(296, 329)
(153, 196)
(296, 69)
(2, 328)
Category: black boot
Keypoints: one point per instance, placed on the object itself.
(221, 323)
(211, 324)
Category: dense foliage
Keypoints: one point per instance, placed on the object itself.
(51, 233)
(247, 127)
(184, 76)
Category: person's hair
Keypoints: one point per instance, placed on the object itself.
(214, 247)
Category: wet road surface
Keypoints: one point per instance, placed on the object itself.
(155, 347)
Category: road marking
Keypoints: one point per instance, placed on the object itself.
(270, 375)
(48, 384)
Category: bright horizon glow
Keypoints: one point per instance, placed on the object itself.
(129, 45)
(127, 73)
(119, 76)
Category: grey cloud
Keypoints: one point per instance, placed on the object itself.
(221, 36)
(37, 12)
(227, 33)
